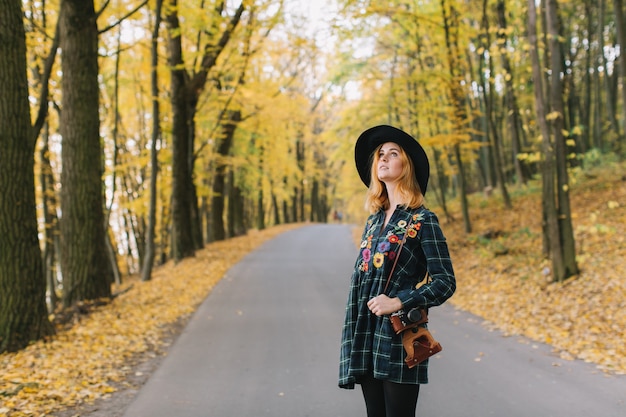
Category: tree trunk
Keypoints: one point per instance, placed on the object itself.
(23, 313)
(510, 97)
(299, 199)
(611, 93)
(260, 208)
(221, 171)
(149, 252)
(275, 206)
(185, 93)
(460, 116)
(114, 134)
(489, 102)
(586, 108)
(195, 216)
(552, 244)
(182, 235)
(294, 206)
(166, 224)
(552, 233)
(286, 218)
(86, 268)
(314, 215)
(621, 39)
(486, 161)
(236, 208)
(564, 216)
(442, 187)
(598, 114)
(205, 203)
(51, 221)
(44, 78)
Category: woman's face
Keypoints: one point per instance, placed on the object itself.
(389, 165)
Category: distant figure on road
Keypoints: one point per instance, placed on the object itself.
(395, 168)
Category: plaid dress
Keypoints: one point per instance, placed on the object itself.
(369, 344)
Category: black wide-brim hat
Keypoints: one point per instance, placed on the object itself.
(377, 135)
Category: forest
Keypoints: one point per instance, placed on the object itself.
(134, 133)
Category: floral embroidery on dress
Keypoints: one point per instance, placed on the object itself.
(395, 235)
(366, 246)
(418, 216)
(378, 259)
(384, 246)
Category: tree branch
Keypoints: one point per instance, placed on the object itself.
(42, 113)
(212, 53)
(129, 14)
(104, 6)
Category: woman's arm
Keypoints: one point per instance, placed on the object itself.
(439, 267)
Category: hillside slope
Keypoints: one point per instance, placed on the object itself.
(503, 277)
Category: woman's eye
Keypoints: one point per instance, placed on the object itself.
(391, 153)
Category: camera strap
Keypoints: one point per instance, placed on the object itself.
(395, 261)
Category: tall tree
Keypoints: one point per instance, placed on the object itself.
(550, 224)
(23, 313)
(87, 272)
(51, 246)
(564, 215)
(229, 125)
(554, 208)
(512, 107)
(185, 94)
(492, 130)
(618, 6)
(149, 253)
(451, 32)
(587, 106)
(41, 70)
(182, 235)
(609, 78)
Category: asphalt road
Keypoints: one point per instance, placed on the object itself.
(266, 343)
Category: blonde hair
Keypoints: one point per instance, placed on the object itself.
(408, 190)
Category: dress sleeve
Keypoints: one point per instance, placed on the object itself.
(439, 266)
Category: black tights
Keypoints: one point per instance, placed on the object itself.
(388, 399)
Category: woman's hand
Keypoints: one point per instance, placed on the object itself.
(382, 305)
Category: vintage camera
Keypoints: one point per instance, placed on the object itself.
(401, 320)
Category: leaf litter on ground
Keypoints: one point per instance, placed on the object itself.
(92, 357)
(503, 276)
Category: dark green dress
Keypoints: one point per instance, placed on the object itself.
(369, 344)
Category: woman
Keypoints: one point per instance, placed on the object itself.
(396, 170)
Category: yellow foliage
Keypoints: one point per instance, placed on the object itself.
(529, 157)
(553, 115)
(88, 360)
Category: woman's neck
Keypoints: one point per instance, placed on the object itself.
(391, 195)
